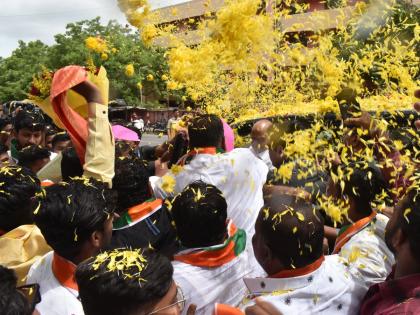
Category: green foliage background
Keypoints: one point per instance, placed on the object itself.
(17, 71)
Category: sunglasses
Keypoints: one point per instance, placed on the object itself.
(31, 294)
(180, 302)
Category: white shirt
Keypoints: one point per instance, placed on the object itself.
(139, 124)
(53, 155)
(56, 299)
(263, 156)
(331, 289)
(206, 286)
(369, 254)
(238, 174)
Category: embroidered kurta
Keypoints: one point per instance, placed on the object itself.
(330, 289)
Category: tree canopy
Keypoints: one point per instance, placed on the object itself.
(124, 47)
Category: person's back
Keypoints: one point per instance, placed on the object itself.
(329, 289)
(288, 244)
(238, 174)
(213, 260)
(144, 221)
(205, 286)
(362, 236)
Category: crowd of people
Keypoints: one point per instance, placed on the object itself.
(195, 226)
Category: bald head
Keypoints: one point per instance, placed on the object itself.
(260, 134)
(288, 234)
(262, 126)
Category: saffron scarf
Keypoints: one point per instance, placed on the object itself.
(218, 255)
(223, 309)
(138, 213)
(187, 157)
(67, 108)
(290, 273)
(64, 271)
(346, 233)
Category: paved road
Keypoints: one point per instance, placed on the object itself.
(152, 139)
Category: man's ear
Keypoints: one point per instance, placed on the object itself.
(96, 239)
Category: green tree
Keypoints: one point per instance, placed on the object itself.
(16, 71)
(124, 47)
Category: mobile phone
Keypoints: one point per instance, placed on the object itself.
(349, 106)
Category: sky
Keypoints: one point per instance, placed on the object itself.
(29, 20)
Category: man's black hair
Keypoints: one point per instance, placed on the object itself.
(291, 230)
(4, 122)
(364, 183)
(12, 302)
(71, 166)
(60, 137)
(205, 131)
(18, 187)
(31, 154)
(200, 213)
(125, 291)
(131, 182)
(69, 213)
(122, 149)
(50, 130)
(410, 220)
(29, 120)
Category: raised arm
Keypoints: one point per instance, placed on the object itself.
(100, 147)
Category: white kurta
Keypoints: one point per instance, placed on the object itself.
(56, 299)
(238, 174)
(263, 156)
(330, 289)
(368, 253)
(206, 286)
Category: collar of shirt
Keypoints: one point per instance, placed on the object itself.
(347, 232)
(258, 286)
(64, 271)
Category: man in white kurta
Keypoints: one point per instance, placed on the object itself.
(239, 174)
(57, 299)
(301, 280)
(330, 289)
(366, 250)
(205, 286)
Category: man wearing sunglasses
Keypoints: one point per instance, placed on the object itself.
(129, 282)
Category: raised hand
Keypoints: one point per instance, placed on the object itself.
(89, 91)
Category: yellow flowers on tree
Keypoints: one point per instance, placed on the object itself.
(129, 70)
(96, 44)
